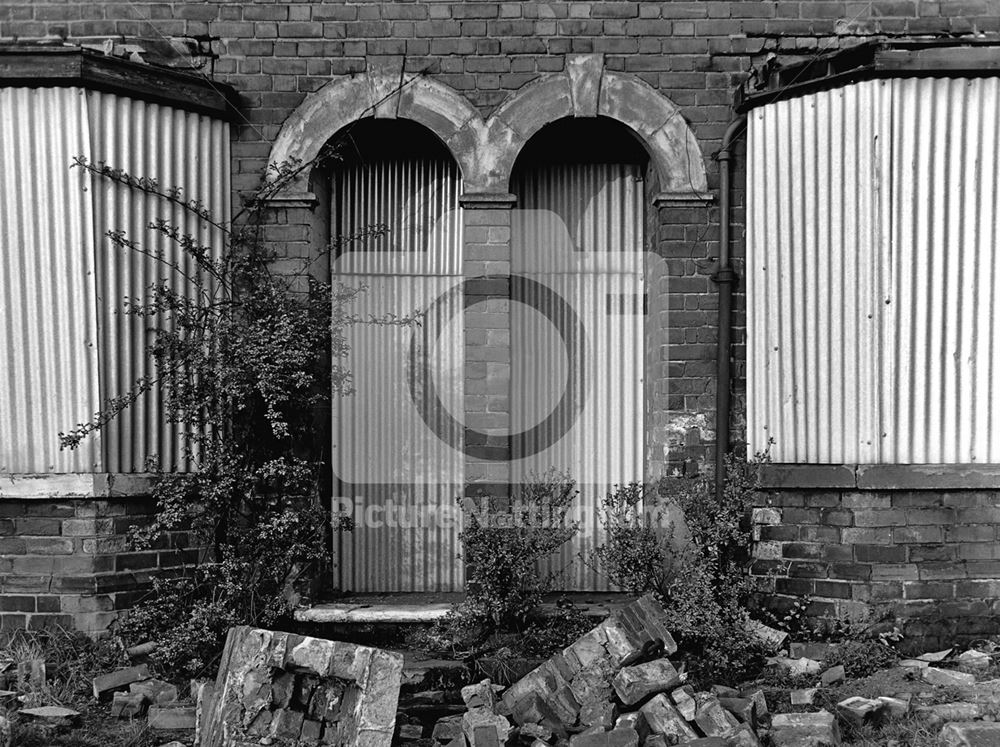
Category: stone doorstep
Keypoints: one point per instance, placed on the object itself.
(400, 611)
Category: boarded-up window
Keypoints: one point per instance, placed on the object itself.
(872, 291)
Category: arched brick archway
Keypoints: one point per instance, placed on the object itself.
(486, 150)
(383, 92)
(586, 89)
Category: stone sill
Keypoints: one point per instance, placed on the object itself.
(74, 485)
(418, 608)
(880, 476)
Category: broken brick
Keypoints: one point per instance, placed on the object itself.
(664, 719)
(127, 705)
(120, 679)
(635, 683)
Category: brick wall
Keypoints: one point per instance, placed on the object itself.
(65, 561)
(695, 53)
(929, 559)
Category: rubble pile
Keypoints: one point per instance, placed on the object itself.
(281, 688)
(613, 686)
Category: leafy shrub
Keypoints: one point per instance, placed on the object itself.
(505, 541)
(701, 580)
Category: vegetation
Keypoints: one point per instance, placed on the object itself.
(246, 361)
(505, 542)
(698, 569)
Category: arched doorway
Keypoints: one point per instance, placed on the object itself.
(396, 231)
(578, 231)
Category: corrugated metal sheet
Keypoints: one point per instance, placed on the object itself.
(579, 233)
(415, 201)
(944, 299)
(178, 149)
(68, 347)
(401, 478)
(871, 242)
(48, 333)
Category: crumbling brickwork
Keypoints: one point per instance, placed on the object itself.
(63, 558)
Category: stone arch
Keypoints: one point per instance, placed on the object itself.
(382, 92)
(586, 89)
(486, 150)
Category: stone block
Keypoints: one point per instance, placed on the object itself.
(970, 734)
(803, 696)
(533, 709)
(805, 730)
(615, 738)
(635, 720)
(54, 715)
(157, 692)
(974, 659)
(664, 719)
(127, 705)
(861, 711)
(712, 718)
(600, 713)
(942, 712)
(171, 717)
(744, 709)
(120, 679)
(898, 706)
(947, 677)
(482, 694)
(832, 675)
(633, 684)
(683, 698)
(744, 736)
(482, 726)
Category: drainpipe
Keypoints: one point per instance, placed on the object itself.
(725, 277)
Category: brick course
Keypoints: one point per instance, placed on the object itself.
(65, 561)
(914, 555)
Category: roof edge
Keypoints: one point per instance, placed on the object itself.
(36, 65)
(958, 58)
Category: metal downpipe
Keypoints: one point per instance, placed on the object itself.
(725, 277)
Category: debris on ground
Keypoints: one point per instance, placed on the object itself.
(119, 680)
(615, 686)
(302, 690)
(52, 715)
